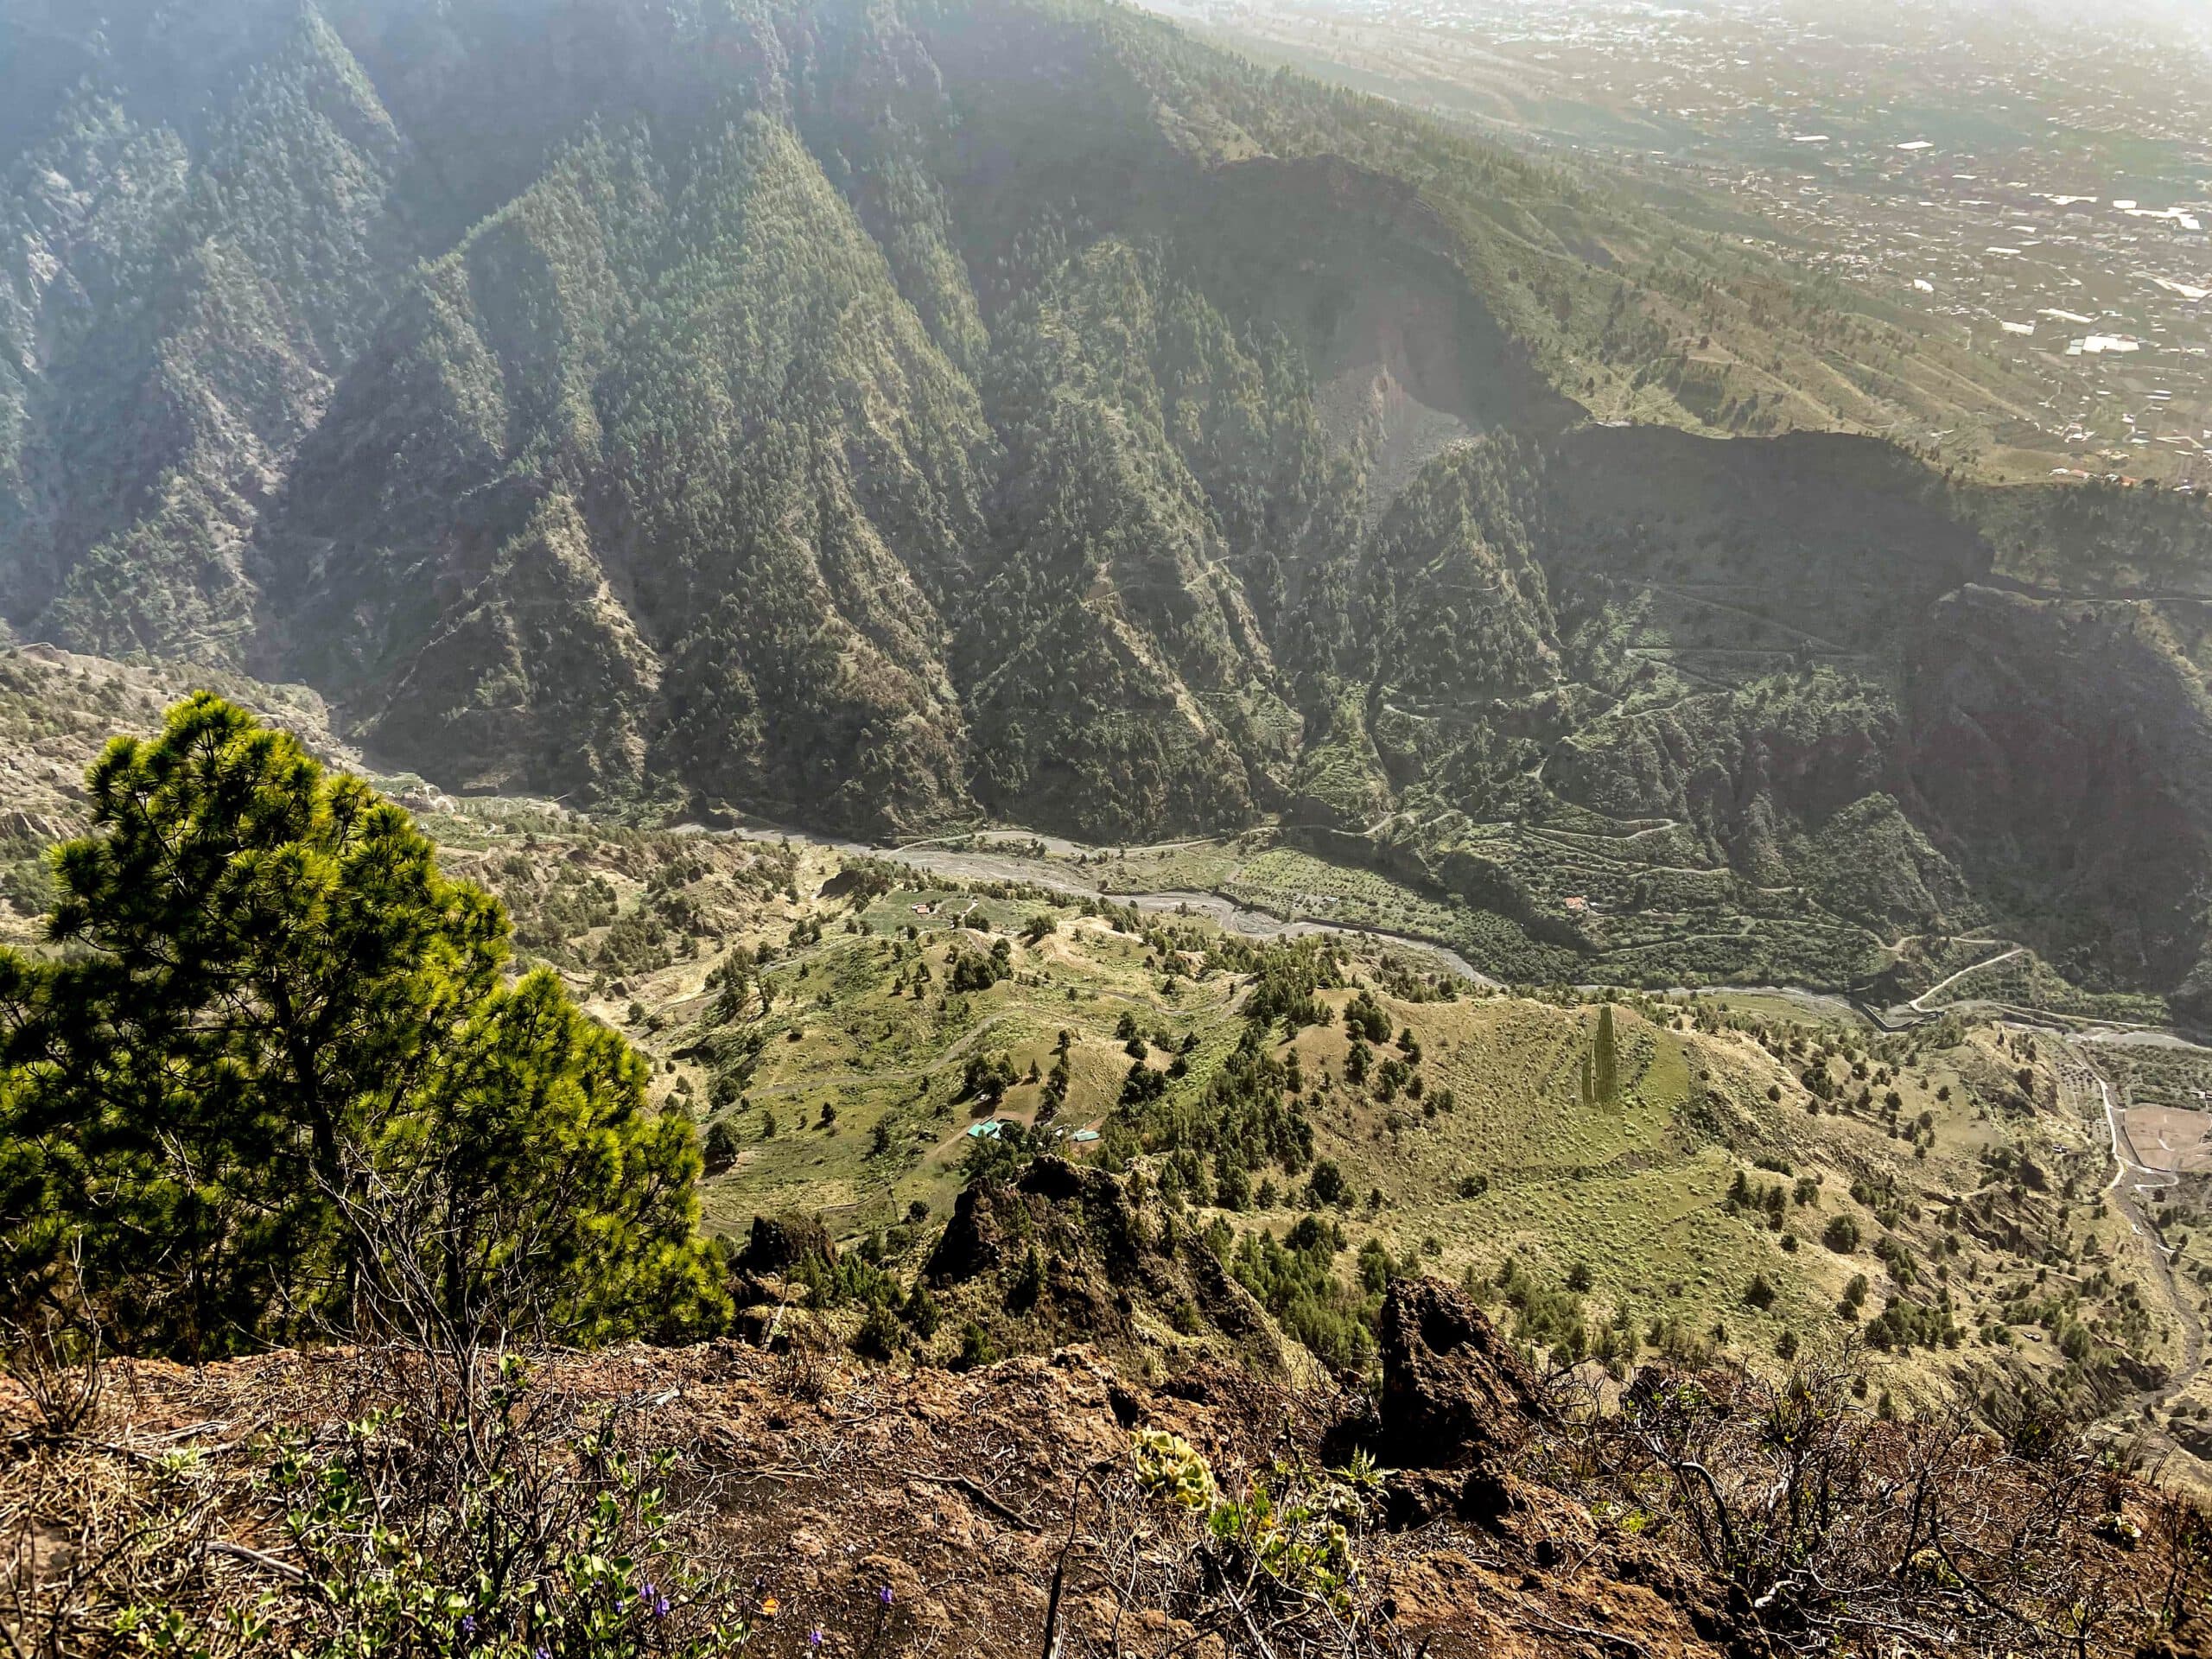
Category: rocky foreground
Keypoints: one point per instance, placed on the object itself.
(1019, 1508)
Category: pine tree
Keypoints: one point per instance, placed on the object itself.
(278, 1064)
(1605, 1058)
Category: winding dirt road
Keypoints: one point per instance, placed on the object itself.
(1918, 1003)
(2088, 1090)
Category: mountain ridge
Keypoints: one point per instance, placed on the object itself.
(899, 418)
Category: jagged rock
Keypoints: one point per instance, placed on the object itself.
(969, 1244)
(1455, 1393)
(778, 1243)
(1069, 1249)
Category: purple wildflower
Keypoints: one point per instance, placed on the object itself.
(814, 1638)
(884, 1595)
(468, 1624)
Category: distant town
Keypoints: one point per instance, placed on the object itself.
(2045, 191)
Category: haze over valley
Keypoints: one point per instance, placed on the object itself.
(1343, 783)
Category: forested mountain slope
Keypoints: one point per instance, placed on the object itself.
(887, 416)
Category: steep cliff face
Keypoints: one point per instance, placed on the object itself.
(2064, 747)
(538, 677)
(1787, 666)
(886, 416)
(175, 308)
(875, 414)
